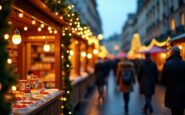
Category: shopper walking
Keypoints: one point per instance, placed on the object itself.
(125, 78)
(173, 76)
(148, 80)
(100, 77)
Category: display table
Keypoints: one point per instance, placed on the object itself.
(49, 107)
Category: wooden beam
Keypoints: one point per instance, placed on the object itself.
(34, 11)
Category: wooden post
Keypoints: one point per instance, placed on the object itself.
(58, 76)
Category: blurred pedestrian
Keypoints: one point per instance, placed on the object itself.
(125, 78)
(173, 76)
(100, 77)
(148, 80)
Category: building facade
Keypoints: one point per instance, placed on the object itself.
(157, 19)
(88, 14)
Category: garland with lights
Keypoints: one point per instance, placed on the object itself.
(65, 69)
(7, 78)
(65, 11)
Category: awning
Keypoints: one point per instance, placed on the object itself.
(153, 49)
(178, 37)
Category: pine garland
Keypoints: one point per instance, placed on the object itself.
(7, 77)
(66, 68)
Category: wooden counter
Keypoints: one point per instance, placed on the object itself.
(50, 107)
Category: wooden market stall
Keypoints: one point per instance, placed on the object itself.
(36, 56)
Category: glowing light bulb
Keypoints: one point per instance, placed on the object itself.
(89, 55)
(42, 25)
(9, 61)
(55, 32)
(33, 22)
(49, 28)
(95, 51)
(46, 47)
(25, 28)
(14, 88)
(1, 7)
(16, 38)
(39, 29)
(180, 47)
(6, 36)
(83, 54)
(71, 52)
(21, 15)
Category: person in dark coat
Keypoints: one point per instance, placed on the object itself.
(148, 80)
(100, 77)
(173, 76)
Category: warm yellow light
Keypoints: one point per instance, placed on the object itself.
(100, 36)
(33, 22)
(68, 92)
(1, 7)
(49, 28)
(16, 38)
(25, 28)
(70, 113)
(21, 15)
(95, 51)
(46, 47)
(56, 13)
(14, 88)
(55, 32)
(6, 36)
(67, 65)
(50, 31)
(9, 22)
(61, 17)
(89, 55)
(180, 47)
(71, 52)
(9, 61)
(163, 55)
(62, 107)
(39, 29)
(42, 25)
(83, 54)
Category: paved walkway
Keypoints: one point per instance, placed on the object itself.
(113, 104)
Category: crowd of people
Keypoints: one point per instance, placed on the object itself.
(145, 72)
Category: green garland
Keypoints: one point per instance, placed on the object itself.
(65, 69)
(65, 10)
(7, 78)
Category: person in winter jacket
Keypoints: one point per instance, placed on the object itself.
(173, 76)
(100, 77)
(124, 65)
(148, 80)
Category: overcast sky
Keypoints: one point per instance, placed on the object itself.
(113, 14)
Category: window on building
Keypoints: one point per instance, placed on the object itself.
(172, 24)
(182, 19)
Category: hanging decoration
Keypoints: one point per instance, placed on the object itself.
(7, 79)
(16, 38)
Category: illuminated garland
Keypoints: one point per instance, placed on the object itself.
(7, 78)
(65, 69)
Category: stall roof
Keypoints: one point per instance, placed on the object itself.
(178, 37)
(153, 49)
